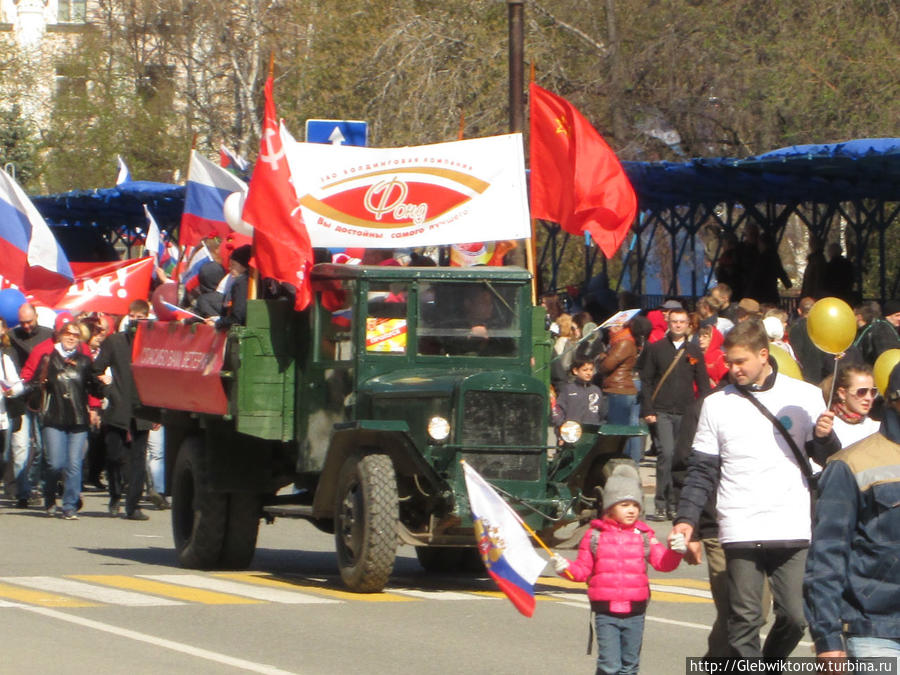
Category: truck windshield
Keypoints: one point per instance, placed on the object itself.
(474, 318)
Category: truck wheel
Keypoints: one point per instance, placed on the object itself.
(365, 522)
(199, 516)
(239, 544)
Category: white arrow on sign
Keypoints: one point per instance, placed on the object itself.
(336, 137)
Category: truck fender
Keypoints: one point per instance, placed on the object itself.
(367, 437)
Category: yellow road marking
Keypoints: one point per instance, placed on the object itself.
(686, 583)
(311, 586)
(678, 597)
(198, 595)
(33, 597)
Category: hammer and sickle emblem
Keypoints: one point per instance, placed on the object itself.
(272, 156)
(562, 125)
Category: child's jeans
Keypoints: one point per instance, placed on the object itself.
(618, 643)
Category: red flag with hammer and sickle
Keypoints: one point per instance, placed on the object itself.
(280, 241)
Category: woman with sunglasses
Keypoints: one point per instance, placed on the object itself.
(63, 377)
(854, 392)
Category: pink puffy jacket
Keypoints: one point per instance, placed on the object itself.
(618, 573)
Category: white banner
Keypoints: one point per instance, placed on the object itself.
(429, 195)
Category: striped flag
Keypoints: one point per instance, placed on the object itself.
(198, 259)
(503, 543)
(32, 258)
(124, 175)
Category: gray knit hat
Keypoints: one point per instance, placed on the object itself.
(623, 484)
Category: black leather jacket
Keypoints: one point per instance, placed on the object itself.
(65, 400)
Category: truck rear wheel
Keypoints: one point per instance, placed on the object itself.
(199, 515)
(239, 542)
(365, 522)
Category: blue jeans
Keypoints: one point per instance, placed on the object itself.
(26, 464)
(64, 450)
(156, 459)
(618, 643)
(623, 409)
(861, 647)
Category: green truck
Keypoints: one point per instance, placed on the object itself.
(355, 413)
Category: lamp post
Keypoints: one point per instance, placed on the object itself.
(516, 65)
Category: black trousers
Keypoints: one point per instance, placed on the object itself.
(126, 464)
(747, 570)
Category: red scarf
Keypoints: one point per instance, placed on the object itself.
(840, 409)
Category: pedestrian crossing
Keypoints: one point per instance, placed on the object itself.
(255, 588)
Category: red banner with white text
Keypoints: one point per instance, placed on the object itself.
(103, 287)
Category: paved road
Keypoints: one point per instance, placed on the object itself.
(105, 595)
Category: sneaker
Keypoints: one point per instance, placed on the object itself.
(35, 499)
(658, 517)
(22, 503)
(158, 501)
(69, 515)
(52, 510)
(115, 509)
(137, 514)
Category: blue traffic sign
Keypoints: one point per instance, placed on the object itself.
(337, 132)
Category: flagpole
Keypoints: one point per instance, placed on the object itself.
(530, 245)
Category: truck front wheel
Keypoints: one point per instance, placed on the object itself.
(199, 515)
(365, 522)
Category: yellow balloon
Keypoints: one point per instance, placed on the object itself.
(831, 325)
(786, 364)
(884, 364)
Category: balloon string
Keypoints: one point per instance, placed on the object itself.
(833, 380)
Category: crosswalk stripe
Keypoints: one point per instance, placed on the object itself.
(438, 595)
(32, 597)
(168, 590)
(110, 596)
(314, 586)
(233, 587)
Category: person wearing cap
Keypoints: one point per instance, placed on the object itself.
(672, 370)
(852, 584)
(874, 335)
(234, 304)
(612, 559)
(892, 314)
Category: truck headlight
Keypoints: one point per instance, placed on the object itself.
(438, 429)
(570, 431)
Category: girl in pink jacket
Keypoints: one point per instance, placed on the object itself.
(612, 558)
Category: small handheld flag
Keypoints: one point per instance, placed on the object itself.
(503, 543)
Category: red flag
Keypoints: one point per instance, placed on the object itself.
(281, 243)
(576, 179)
(102, 287)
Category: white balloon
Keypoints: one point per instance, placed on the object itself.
(232, 208)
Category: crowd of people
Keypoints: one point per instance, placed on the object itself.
(740, 448)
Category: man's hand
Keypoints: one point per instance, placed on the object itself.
(824, 424)
(694, 555)
(834, 661)
(479, 332)
(650, 419)
(682, 528)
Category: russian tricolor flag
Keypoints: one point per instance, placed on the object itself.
(32, 258)
(503, 543)
(204, 203)
(199, 258)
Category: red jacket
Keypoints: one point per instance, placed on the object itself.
(618, 573)
(715, 357)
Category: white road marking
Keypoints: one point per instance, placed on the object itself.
(439, 595)
(681, 590)
(236, 588)
(79, 589)
(180, 647)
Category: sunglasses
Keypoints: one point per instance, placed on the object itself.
(862, 391)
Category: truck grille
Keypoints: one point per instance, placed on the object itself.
(501, 422)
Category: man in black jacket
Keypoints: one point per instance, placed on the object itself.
(125, 434)
(672, 368)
